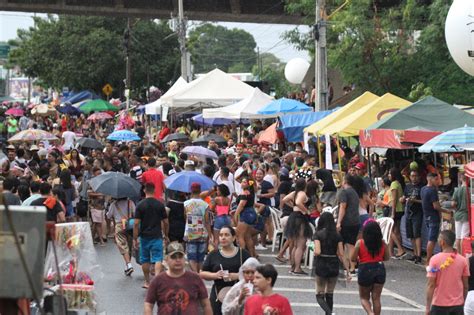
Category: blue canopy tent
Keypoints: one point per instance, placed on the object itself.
(293, 125)
(80, 96)
(283, 106)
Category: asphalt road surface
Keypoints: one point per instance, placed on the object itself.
(404, 291)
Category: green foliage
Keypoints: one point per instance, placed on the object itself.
(83, 52)
(419, 91)
(273, 73)
(394, 48)
(214, 46)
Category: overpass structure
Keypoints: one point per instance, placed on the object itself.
(252, 11)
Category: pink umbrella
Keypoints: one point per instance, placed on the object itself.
(99, 116)
(14, 112)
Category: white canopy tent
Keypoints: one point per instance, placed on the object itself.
(245, 109)
(155, 108)
(214, 89)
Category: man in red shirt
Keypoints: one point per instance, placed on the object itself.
(448, 274)
(266, 302)
(154, 176)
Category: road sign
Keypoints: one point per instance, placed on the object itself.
(4, 50)
(107, 89)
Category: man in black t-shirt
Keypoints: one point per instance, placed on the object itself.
(414, 214)
(151, 224)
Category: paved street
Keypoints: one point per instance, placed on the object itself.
(403, 294)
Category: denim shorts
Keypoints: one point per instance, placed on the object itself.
(151, 250)
(196, 251)
(260, 223)
(433, 230)
(248, 216)
(266, 212)
(221, 221)
(371, 273)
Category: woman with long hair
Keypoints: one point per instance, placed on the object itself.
(396, 192)
(221, 207)
(371, 251)
(365, 203)
(222, 266)
(245, 215)
(65, 184)
(298, 228)
(74, 162)
(328, 252)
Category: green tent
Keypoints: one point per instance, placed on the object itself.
(429, 113)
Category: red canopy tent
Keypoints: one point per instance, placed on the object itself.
(394, 139)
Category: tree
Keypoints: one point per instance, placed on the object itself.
(83, 52)
(390, 46)
(214, 46)
(273, 73)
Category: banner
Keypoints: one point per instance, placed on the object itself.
(328, 159)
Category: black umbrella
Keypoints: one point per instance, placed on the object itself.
(180, 137)
(206, 138)
(90, 143)
(116, 185)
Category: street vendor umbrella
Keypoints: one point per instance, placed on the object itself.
(43, 110)
(455, 140)
(69, 110)
(200, 151)
(123, 135)
(14, 112)
(180, 137)
(99, 116)
(89, 143)
(33, 135)
(116, 185)
(284, 106)
(206, 138)
(98, 106)
(182, 181)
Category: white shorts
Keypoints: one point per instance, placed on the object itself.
(462, 229)
(469, 304)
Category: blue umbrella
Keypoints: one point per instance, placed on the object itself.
(455, 140)
(182, 181)
(198, 119)
(69, 110)
(123, 135)
(284, 105)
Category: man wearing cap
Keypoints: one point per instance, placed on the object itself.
(177, 291)
(197, 229)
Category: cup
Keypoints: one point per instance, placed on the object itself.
(249, 286)
(226, 277)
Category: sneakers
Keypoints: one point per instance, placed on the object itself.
(128, 269)
(260, 247)
(418, 260)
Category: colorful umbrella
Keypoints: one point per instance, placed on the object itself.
(14, 112)
(99, 116)
(123, 135)
(284, 106)
(33, 135)
(455, 140)
(182, 181)
(97, 106)
(200, 151)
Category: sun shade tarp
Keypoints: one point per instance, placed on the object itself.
(293, 125)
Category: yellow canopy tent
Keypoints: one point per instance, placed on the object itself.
(366, 116)
(348, 109)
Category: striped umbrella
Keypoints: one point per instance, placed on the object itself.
(455, 140)
(33, 135)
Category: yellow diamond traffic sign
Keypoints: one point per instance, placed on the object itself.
(107, 89)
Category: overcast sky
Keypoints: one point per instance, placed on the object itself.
(267, 36)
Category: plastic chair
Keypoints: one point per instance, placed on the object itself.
(309, 254)
(386, 225)
(277, 228)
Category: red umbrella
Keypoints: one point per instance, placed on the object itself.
(14, 112)
(99, 116)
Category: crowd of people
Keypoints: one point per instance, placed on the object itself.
(220, 231)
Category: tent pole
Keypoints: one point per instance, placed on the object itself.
(339, 154)
(319, 151)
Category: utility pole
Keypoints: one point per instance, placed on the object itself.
(182, 41)
(321, 71)
(127, 41)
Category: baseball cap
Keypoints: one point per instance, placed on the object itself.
(284, 172)
(189, 163)
(360, 166)
(34, 147)
(173, 248)
(230, 151)
(11, 147)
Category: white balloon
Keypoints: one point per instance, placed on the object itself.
(295, 70)
(459, 33)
